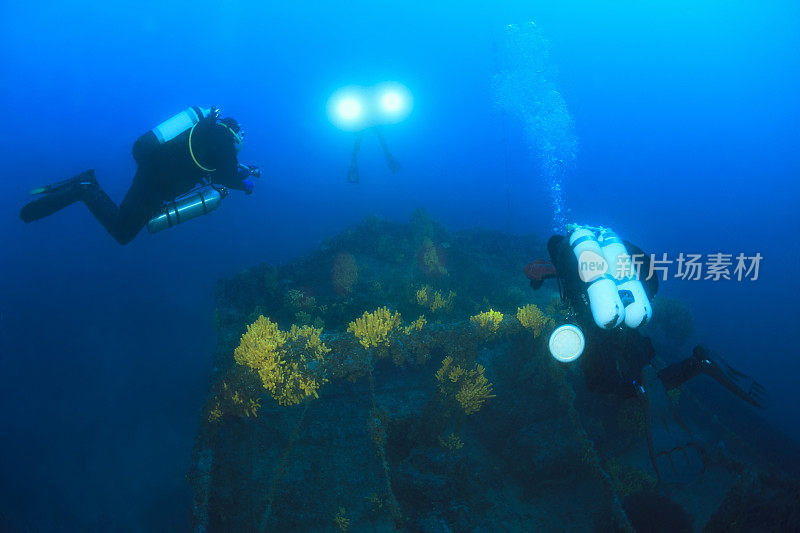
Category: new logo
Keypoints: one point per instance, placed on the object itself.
(591, 266)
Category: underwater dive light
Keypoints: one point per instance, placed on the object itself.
(567, 343)
(347, 109)
(393, 102)
(356, 108)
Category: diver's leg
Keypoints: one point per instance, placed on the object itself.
(391, 162)
(679, 373)
(123, 222)
(352, 172)
(57, 196)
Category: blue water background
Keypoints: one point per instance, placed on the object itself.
(686, 114)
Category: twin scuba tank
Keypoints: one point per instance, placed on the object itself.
(198, 202)
(192, 205)
(615, 293)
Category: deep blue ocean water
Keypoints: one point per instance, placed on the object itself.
(685, 115)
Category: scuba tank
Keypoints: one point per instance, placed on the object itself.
(171, 128)
(192, 205)
(601, 287)
(637, 306)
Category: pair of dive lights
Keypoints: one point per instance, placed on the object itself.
(356, 108)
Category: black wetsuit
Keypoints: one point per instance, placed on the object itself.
(613, 360)
(165, 171)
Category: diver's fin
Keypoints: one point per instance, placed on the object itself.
(84, 178)
(54, 197)
(47, 204)
(735, 381)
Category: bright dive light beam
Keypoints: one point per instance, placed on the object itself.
(392, 102)
(347, 109)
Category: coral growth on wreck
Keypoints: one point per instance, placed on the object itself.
(487, 323)
(415, 424)
(468, 387)
(374, 329)
(288, 363)
(533, 319)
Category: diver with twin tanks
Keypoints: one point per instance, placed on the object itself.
(185, 167)
(606, 306)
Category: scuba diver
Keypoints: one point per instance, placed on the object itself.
(184, 167)
(608, 306)
(391, 162)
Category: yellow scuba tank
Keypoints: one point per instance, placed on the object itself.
(192, 205)
(637, 305)
(604, 301)
(171, 128)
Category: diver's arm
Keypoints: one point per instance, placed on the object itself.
(239, 178)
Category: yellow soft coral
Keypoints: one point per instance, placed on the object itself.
(447, 362)
(532, 318)
(451, 442)
(487, 322)
(215, 414)
(341, 520)
(252, 408)
(416, 325)
(373, 329)
(423, 295)
(475, 389)
(434, 300)
(440, 302)
(261, 344)
(287, 363)
(309, 338)
(470, 388)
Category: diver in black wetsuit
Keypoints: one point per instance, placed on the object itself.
(194, 147)
(617, 361)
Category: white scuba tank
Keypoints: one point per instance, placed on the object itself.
(637, 305)
(606, 306)
(171, 128)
